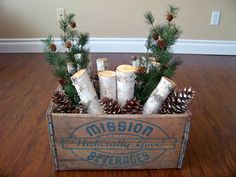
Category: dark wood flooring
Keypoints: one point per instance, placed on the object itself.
(26, 84)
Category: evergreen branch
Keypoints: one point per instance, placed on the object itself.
(64, 25)
(146, 83)
(71, 92)
(173, 10)
(69, 18)
(170, 71)
(83, 39)
(149, 18)
(59, 60)
(72, 34)
(158, 47)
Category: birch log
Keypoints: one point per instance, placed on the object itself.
(70, 67)
(158, 96)
(135, 62)
(152, 64)
(102, 64)
(86, 92)
(78, 58)
(125, 82)
(107, 82)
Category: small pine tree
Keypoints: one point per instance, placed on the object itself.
(158, 44)
(75, 43)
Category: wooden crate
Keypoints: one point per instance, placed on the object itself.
(83, 141)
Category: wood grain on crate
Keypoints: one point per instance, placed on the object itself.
(85, 141)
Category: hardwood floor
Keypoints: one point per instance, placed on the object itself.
(25, 91)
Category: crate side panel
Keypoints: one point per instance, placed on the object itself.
(118, 143)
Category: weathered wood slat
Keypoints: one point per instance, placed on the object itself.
(85, 141)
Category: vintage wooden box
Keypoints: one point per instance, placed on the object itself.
(83, 141)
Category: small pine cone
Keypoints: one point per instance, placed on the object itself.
(169, 17)
(52, 47)
(62, 103)
(161, 43)
(155, 36)
(62, 81)
(80, 109)
(177, 101)
(73, 24)
(141, 70)
(132, 106)
(134, 58)
(110, 106)
(68, 44)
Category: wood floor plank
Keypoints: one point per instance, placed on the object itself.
(26, 85)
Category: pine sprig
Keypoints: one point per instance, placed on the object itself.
(173, 10)
(59, 60)
(69, 18)
(83, 39)
(159, 42)
(170, 71)
(149, 18)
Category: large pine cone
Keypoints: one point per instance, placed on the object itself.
(132, 106)
(177, 101)
(64, 105)
(110, 106)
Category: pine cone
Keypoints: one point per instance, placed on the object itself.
(62, 81)
(161, 43)
(64, 105)
(155, 36)
(169, 17)
(132, 106)
(52, 47)
(73, 24)
(110, 106)
(177, 101)
(68, 44)
(80, 109)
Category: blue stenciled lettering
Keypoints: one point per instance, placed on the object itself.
(93, 129)
(118, 160)
(147, 131)
(111, 126)
(121, 126)
(138, 128)
(91, 156)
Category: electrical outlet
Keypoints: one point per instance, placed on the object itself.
(60, 13)
(215, 18)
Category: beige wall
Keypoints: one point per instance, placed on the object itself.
(115, 18)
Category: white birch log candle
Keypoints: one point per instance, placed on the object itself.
(70, 67)
(135, 62)
(102, 64)
(125, 82)
(158, 96)
(78, 58)
(86, 92)
(153, 64)
(107, 82)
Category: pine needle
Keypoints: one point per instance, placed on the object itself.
(149, 17)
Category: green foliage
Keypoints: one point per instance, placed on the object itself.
(161, 53)
(173, 11)
(71, 92)
(149, 18)
(59, 60)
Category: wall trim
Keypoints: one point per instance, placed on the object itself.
(124, 45)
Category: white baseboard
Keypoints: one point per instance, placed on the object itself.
(125, 45)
